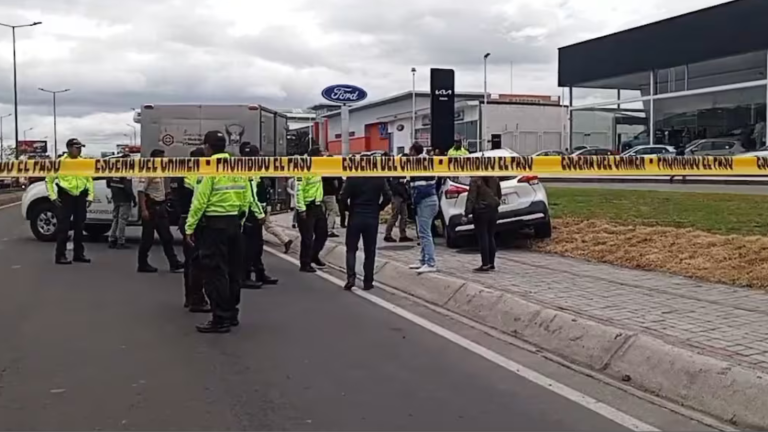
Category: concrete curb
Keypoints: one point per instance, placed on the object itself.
(727, 391)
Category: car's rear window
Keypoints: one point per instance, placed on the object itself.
(464, 180)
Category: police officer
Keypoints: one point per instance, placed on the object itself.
(253, 231)
(183, 189)
(313, 226)
(221, 201)
(154, 218)
(457, 149)
(72, 196)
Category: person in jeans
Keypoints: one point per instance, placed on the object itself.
(483, 202)
(365, 197)
(123, 199)
(424, 195)
(331, 188)
(290, 187)
(399, 211)
(154, 217)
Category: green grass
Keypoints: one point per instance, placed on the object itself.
(712, 212)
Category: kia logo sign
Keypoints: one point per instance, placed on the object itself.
(344, 94)
(443, 92)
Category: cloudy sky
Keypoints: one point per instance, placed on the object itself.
(115, 55)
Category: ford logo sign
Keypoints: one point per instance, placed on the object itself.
(344, 94)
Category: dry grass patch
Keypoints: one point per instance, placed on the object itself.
(716, 237)
(734, 260)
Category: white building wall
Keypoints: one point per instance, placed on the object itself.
(400, 138)
(527, 129)
(359, 118)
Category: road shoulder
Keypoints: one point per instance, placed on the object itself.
(662, 366)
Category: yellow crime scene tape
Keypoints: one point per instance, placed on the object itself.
(392, 166)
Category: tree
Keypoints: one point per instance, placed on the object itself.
(299, 142)
(8, 152)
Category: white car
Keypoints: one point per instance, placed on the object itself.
(649, 150)
(523, 204)
(38, 209)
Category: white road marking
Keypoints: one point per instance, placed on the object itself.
(533, 376)
(10, 205)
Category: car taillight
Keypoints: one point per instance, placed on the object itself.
(454, 191)
(530, 179)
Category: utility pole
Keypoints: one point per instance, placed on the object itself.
(2, 145)
(413, 112)
(485, 101)
(55, 133)
(15, 86)
(134, 132)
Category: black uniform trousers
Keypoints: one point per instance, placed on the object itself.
(70, 214)
(193, 275)
(485, 229)
(366, 227)
(253, 233)
(221, 259)
(157, 222)
(313, 228)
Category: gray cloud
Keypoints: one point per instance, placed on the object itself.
(118, 55)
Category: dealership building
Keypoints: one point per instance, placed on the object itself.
(698, 75)
(532, 122)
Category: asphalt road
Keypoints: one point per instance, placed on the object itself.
(100, 347)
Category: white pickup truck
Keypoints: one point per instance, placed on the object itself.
(38, 209)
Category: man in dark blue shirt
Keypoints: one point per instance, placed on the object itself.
(365, 197)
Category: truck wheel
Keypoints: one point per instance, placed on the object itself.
(96, 231)
(543, 230)
(43, 222)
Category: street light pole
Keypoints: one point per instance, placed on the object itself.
(134, 132)
(15, 87)
(25, 138)
(485, 100)
(55, 134)
(2, 145)
(413, 112)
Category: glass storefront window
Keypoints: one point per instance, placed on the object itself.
(613, 89)
(735, 115)
(610, 126)
(712, 73)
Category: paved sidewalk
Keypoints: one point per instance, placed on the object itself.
(717, 320)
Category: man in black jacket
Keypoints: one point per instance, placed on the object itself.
(365, 197)
(182, 192)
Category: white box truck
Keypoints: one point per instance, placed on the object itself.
(177, 129)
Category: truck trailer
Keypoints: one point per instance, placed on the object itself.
(179, 128)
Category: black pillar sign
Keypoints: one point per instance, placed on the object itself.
(442, 107)
(495, 141)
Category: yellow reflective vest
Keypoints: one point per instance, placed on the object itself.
(309, 188)
(460, 152)
(73, 184)
(218, 196)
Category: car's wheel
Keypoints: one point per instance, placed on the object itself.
(43, 222)
(451, 239)
(96, 231)
(543, 230)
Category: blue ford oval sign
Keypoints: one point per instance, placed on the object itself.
(344, 94)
